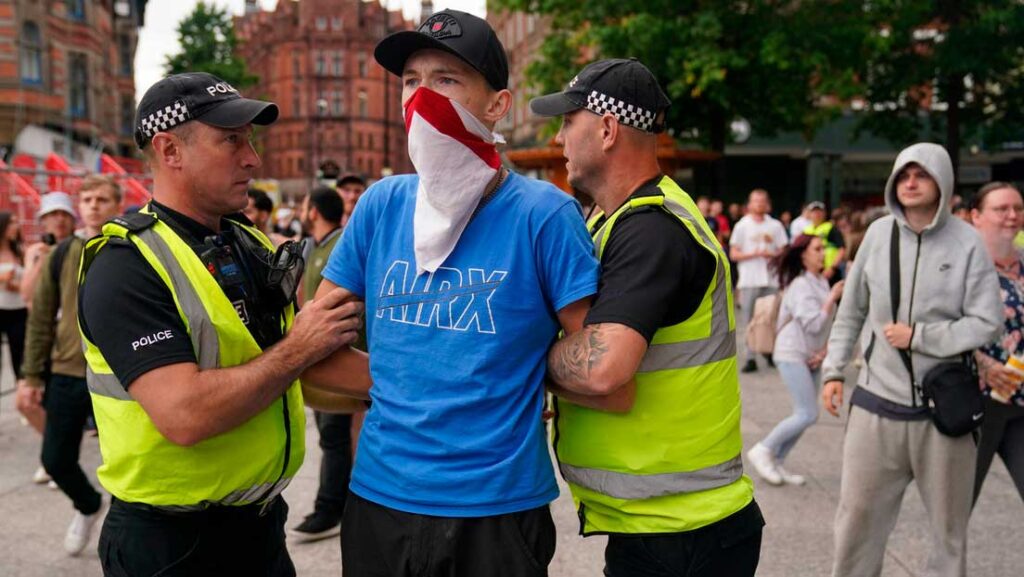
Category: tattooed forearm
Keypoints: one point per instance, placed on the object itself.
(572, 360)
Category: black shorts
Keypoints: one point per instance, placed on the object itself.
(377, 541)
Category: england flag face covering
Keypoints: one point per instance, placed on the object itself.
(455, 157)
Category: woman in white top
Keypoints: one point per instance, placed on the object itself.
(805, 317)
(13, 313)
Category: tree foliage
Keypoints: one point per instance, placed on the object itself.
(207, 39)
(765, 61)
(962, 59)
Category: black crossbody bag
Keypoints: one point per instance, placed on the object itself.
(950, 390)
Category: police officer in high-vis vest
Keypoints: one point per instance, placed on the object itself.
(194, 349)
(835, 247)
(647, 425)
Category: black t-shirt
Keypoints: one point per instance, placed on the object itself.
(126, 309)
(653, 272)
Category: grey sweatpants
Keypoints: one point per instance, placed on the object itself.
(747, 298)
(880, 458)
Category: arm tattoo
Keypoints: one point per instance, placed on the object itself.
(574, 357)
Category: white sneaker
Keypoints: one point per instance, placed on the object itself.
(763, 462)
(41, 476)
(789, 478)
(80, 530)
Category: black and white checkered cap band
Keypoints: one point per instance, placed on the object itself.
(628, 114)
(164, 119)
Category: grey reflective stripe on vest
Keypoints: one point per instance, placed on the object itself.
(202, 332)
(629, 486)
(106, 386)
(720, 344)
(235, 498)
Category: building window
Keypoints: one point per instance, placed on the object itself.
(321, 103)
(321, 63)
(78, 102)
(337, 103)
(76, 9)
(336, 23)
(31, 54)
(296, 103)
(124, 50)
(127, 114)
(363, 105)
(362, 65)
(321, 23)
(296, 63)
(369, 144)
(339, 63)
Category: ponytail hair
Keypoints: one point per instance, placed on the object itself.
(790, 263)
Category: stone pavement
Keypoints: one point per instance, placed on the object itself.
(797, 540)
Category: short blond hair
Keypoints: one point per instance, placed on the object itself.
(94, 181)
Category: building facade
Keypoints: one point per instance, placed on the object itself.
(522, 35)
(67, 77)
(340, 111)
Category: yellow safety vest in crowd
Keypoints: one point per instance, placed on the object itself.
(673, 462)
(822, 231)
(252, 463)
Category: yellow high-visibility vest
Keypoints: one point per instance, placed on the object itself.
(673, 463)
(252, 463)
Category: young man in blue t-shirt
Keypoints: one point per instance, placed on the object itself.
(468, 272)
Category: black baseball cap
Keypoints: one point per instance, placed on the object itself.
(623, 87)
(180, 98)
(470, 38)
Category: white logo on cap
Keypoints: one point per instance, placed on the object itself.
(221, 87)
(574, 81)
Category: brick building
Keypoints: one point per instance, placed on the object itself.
(67, 77)
(338, 107)
(522, 35)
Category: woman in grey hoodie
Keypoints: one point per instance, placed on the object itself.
(949, 304)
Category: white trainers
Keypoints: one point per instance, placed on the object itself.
(764, 463)
(41, 476)
(789, 478)
(80, 530)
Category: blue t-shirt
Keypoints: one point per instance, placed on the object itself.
(458, 356)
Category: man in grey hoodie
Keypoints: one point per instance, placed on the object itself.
(949, 304)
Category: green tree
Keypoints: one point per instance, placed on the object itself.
(207, 39)
(781, 66)
(952, 70)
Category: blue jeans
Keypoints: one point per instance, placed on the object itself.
(803, 386)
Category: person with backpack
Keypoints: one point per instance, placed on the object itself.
(54, 357)
(802, 324)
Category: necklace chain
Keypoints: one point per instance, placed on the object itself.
(502, 173)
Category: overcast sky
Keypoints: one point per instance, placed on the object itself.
(157, 37)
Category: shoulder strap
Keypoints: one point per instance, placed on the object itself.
(134, 222)
(894, 292)
(894, 270)
(57, 261)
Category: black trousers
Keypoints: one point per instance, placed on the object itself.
(377, 541)
(729, 548)
(141, 541)
(68, 406)
(1002, 433)
(336, 463)
(12, 324)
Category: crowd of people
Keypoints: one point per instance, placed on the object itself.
(196, 330)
